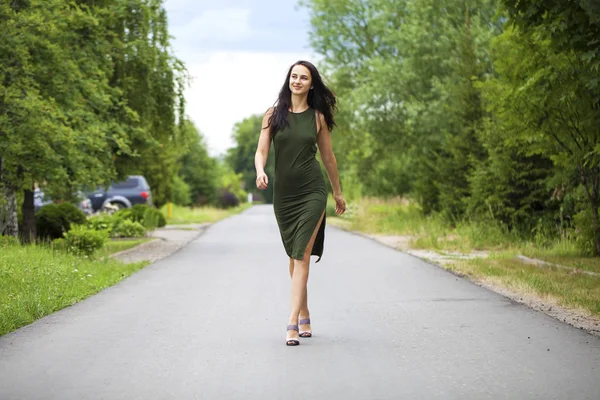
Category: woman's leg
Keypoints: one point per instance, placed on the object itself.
(304, 313)
(299, 274)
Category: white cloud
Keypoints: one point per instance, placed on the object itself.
(230, 86)
(219, 25)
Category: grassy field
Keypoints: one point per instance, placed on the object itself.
(199, 215)
(568, 287)
(115, 246)
(36, 281)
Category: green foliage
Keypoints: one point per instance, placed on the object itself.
(241, 157)
(480, 113)
(182, 195)
(83, 241)
(129, 222)
(127, 228)
(90, 93)
(101, 222)
(53, 220)
(231, 192)
(198, 169)
(584, 233)
(37, 281)
(153, 219)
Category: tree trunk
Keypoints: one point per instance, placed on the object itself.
(9, 223)
(28, 233)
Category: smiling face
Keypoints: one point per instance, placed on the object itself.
(300, 80)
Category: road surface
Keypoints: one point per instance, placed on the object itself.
(209, 322)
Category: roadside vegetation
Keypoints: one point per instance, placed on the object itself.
(41, 277)
(556, 268)
(200, 215)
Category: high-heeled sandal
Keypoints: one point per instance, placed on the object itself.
(292, 342)
(305, 334)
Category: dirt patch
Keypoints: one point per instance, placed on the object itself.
(167, 241)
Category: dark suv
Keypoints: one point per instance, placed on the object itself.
(125, 194)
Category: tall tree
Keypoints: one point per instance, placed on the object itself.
(241, 157)
(56, 107)
(544, 97)
(198, 169)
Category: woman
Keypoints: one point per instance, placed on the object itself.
(301, 119)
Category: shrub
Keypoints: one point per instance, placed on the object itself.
(127, 228)
(141, 212)
(101, 222)
(72, 214)
(124, 214)
(6, 241)
(182, 195)
(55, 219)
(81, 240)
(137, 213)
(584, 237)
(153, 218)
(227, 199)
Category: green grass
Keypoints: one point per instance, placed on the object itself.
(572, 290)
(199, 215)
(567, 287)
(115, 246)
(36, 281)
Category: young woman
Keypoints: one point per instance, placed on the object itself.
(300, 121)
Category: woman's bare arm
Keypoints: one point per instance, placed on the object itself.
(262, 152)
(325, 148)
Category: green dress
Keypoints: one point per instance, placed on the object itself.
(299, 191)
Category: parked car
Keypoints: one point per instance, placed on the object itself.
(40, 199)
(125, 194)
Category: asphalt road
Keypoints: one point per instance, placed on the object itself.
(209, 322)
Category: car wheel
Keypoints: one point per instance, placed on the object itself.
(119, 205)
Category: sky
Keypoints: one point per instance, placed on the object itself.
(237, 53)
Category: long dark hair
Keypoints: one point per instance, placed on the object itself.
(320, 97)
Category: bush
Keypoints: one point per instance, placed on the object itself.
(6, 241)
(127, 228)
(72, 214)
(226, 199)
(182, 195)
(126, 214)
(81, 240)
(153, 219)
(584, 237)
(140, 213)
(101, 222)
(53, 220)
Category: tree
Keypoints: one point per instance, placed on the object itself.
(545, 100)
(91, 93)
(198, 169)
(241, 157)
(405, 73)
(56, 109)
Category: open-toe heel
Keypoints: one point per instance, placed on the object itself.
(305, 334)
(292, 342)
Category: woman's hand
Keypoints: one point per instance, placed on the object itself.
(340, 204)
(262, 181)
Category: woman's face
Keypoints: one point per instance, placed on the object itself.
(300, 80)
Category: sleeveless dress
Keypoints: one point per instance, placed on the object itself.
(299, 191)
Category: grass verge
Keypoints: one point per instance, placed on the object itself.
(115, 246)
(36, 281)
(199, 215)
(568, 288)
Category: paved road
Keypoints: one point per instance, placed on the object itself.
(209, 323)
